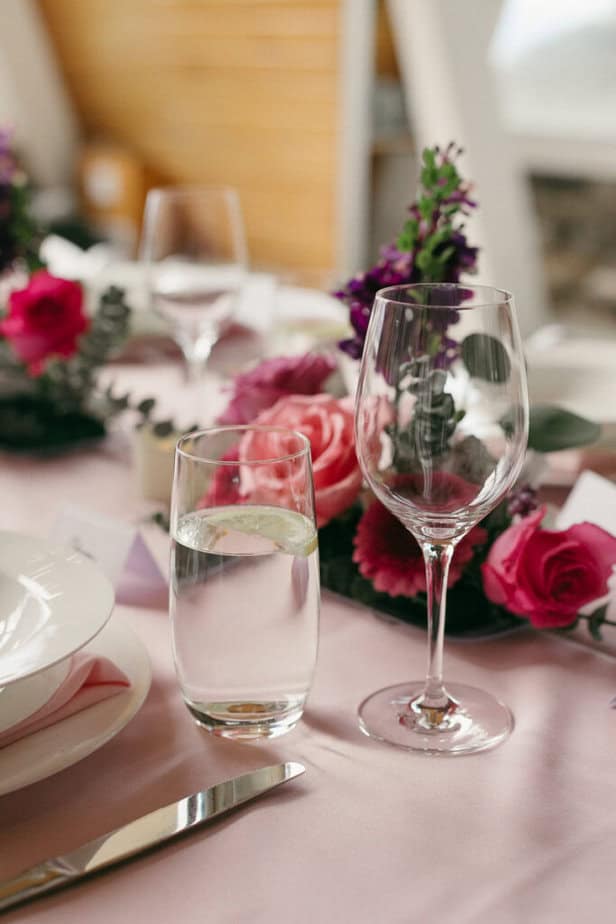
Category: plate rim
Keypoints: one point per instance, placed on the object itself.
(121, 709)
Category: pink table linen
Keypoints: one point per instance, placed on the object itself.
(526, 833)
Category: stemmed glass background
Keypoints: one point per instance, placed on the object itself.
(441, 430)
(194, 249)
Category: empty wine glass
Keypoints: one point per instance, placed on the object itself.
(441, 430)
(194, 249)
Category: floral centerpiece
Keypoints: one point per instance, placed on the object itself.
(508, 569)
(51, 350)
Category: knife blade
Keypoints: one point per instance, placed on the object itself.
(157, 827)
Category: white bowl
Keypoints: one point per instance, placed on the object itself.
(53, 601)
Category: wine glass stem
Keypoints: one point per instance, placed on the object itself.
(196, 361)
(195, 367)
(437, 559)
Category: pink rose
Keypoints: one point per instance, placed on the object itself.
(44, 319)
(545, 575)
(328, 424)
(261, 387)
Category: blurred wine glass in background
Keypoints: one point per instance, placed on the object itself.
(194, 250)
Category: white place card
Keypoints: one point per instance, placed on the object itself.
(115, 546)
(592, 500)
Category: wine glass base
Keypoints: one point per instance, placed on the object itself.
(474, 720)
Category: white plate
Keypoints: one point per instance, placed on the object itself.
(53, 601)
(46, 752)
(20, 699)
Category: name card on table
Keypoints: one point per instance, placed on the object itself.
(118, 548)
(593, 500)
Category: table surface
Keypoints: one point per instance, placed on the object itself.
(524, 833)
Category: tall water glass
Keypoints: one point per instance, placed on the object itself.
(244, 596)
(194, 250)
(442, 422)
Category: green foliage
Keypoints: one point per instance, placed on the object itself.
(595, 621)
(431, 226)
(486, 358)
(23, 235)
(552, 429)
(28, 424)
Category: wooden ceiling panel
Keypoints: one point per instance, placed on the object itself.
(243, 92)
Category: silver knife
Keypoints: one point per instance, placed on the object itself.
(146, 832)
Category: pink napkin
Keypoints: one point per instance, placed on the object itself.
(90, 680)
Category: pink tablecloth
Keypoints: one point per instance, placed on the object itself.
(526, 833)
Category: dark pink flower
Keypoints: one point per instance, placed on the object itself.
(224, 487)
(388, 555)
(548, 575)
(259, 389)
(44, 319)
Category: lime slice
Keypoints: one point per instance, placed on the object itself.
(289, 531)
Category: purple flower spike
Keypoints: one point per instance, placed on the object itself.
(431, 248)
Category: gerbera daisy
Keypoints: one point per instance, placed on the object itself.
(388, 555)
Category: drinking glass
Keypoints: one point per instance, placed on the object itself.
(244, 596)
(194, 249)
(441, 430)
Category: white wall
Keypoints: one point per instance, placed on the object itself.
(442, 48)
(33, 100)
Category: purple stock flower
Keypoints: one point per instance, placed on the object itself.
(394, 268)
(432, 248)
(261, 387)
(522, 501)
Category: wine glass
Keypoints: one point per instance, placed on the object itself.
(194, 248)
(441, 431)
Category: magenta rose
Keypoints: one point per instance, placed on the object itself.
(545, 575)
(261, 387)
(328, 424)
(44, 319)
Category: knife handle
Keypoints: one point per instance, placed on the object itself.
(32, 882)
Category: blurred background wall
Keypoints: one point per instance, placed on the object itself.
(316, 110)
(218, 91)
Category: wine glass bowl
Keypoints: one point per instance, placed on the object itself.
(441, 431)
(194, 250)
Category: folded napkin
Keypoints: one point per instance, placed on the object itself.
(90, 680)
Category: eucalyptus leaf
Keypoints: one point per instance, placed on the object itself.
(486, 358)
(553, 428)
(163, 428)
(595, 621)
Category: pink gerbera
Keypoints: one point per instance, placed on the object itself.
(388, 555)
